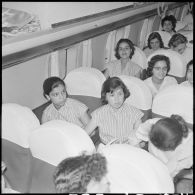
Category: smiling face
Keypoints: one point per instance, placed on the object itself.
(167, 26)
(155, 44)
(124, 50)
(116, 98)
(58, 96)
(159, 70)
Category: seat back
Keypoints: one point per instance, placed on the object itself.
(50, 144)
(180, 25)
(140, 95)
(187, 55)
(85, 81)
(128, 172)
(177, 63)
(175, 99)
(17, 124)
(139, 58)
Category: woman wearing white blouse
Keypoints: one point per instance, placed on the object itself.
(123, 65)
(170, 140)
(158, 68)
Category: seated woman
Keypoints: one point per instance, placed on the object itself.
(82, 174)
(189, 75)
(178, 43)
(63, 107)
(170, 140)
(168, 24)
(116, 119)
(155, 42)
(158, 68)
(123, 65)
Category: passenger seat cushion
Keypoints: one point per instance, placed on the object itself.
(91, 102)
(18, 162)
(42, 177)
(39, 110)
(147, 115)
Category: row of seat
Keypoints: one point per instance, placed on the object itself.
(30, 167)
(78, 84)
(177, 62)
(166, 36)
(31, 151)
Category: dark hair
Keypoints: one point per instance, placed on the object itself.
(153, 61)
(155, 35)
(131, 45)
(110, 85)
(177, 39)
(170, 18)
(188, 65)
(73, 174)
(51, 83)
(175, 126)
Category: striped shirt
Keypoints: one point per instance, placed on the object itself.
(114, 68)
(72, 111)
(116, 123)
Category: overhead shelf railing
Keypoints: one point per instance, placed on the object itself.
(65, 34)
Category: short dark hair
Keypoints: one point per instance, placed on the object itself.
(73, 174)
(153, 61)
(110, 85)
(170, 18)
(177, 39)
(51, 83)
(174, 126)
(155, 35)
(131, 45)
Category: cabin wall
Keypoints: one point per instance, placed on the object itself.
(22, 84)
(98, 51)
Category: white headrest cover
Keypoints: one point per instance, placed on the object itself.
(179, 25)
(139, 58)
(188, 54)
(189, 36)
(17, 123)
(175, 99)
(140, 95)
(177, 63)
(56, 140)
(132, 169)
(164, 35)
(85, 81)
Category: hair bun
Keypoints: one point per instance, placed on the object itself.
(182, 122)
